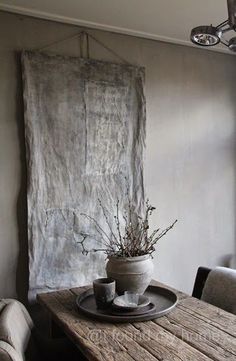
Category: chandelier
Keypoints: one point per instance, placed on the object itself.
(208, 35)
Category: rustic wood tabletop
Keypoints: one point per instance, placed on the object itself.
(194, 330)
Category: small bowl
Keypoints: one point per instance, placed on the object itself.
(121, 302)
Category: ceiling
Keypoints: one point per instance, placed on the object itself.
(165, 20)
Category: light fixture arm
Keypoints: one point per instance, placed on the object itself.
(206, 35)
(223, 26)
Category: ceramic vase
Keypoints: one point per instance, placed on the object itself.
(130, 273)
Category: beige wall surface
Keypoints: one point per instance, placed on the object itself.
(190, 165)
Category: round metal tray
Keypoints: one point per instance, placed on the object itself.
(163, 299)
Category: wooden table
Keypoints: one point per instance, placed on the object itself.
(193, 331)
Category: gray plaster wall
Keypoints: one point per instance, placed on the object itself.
(190, 157)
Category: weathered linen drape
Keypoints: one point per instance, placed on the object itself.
(85, 134)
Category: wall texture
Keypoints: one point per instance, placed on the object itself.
(190, 167)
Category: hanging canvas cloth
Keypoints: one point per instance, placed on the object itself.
(85, 133)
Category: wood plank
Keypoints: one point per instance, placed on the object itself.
(108, 331)
(150, 342)
(104, 337)
(193, 331)
(65, 319)
(221, 319)
(163, 344)
(200, 334)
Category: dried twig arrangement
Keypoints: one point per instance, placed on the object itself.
(135, 239)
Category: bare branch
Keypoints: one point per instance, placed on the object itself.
(134, 240)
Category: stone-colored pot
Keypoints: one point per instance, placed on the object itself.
(130, 273)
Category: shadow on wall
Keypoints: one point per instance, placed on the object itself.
(22, 272)
(225, 261)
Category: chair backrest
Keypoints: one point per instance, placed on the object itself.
(15, 330)
(200, 280)
(220, 289)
